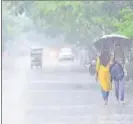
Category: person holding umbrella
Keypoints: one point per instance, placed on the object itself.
(117, 73)
(117, 67)
(103, 74)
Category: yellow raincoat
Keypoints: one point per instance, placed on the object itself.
(104, 76)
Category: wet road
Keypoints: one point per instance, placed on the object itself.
(63, 95)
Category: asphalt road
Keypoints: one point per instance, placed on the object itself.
(63, 95)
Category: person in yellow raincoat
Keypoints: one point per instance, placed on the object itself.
(103, 73)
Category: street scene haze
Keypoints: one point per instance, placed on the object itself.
(67, 62)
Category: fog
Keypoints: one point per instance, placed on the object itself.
(57, 90)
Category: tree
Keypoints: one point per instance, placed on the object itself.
(81, 21)
(125, 25)
(14, 23)
(71, 18)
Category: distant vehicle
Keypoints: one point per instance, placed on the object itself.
(66, 54)
(36, 57)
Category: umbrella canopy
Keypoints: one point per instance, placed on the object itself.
(108, 41)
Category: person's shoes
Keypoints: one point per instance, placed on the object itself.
(123, 102)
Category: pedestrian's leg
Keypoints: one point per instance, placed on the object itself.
(105, 95)
(121, 87)
(117, 89)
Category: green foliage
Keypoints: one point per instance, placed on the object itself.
(125, 25)
(81, 21)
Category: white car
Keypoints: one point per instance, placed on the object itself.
(66, 54)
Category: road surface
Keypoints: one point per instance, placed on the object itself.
(63, 95)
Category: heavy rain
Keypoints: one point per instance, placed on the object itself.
(49, 53)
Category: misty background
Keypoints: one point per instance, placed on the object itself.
(60, 91)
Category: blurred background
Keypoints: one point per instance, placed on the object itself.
(47, 49)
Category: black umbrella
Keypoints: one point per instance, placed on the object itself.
(108, 41)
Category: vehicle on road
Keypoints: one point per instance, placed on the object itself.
(66, 54)
(36, 57)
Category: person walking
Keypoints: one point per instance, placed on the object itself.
(117, 74)
(103, 74)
